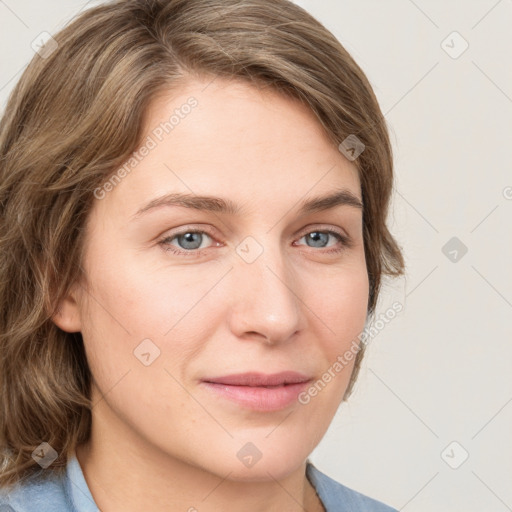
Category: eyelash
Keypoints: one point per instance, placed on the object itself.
(345, 241)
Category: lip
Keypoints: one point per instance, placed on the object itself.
(259, 391)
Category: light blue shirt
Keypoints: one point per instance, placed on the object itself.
(70, 493)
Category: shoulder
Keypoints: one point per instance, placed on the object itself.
(338, 498)
(44, 492)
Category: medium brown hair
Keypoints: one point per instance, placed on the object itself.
(77, 114)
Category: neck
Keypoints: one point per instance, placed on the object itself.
(123, 474)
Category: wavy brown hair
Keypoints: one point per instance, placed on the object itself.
(77, 114)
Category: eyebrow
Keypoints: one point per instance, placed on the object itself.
(220, 205)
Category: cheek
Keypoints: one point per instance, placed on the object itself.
(130, 303)
(341, 303)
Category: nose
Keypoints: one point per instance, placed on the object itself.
(266, 299)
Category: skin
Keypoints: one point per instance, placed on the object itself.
(159, 439)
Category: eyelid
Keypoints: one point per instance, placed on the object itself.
(324, 227)
(195, 228)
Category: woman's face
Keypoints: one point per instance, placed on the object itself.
(180, 302)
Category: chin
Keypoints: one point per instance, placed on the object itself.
(264, 471)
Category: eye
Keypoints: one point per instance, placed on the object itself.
(191, 242)
(320, 239)
(188, 243)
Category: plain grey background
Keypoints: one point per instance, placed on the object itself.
(428, 426)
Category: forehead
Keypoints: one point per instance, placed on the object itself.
(231, 139)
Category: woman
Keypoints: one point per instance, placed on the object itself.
(194, 196)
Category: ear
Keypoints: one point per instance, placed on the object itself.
(67, 316)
